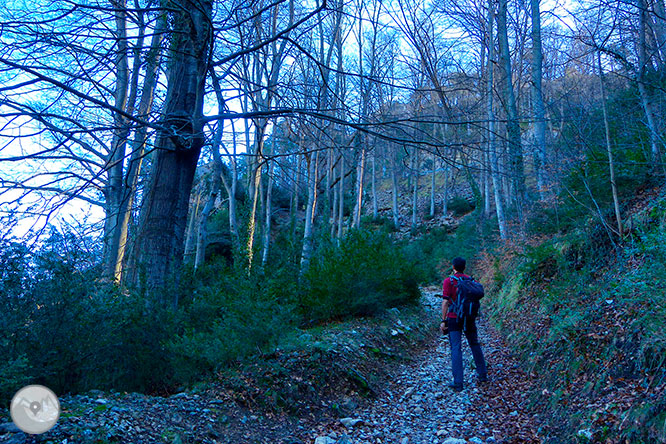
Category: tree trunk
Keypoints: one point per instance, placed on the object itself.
(432, 185)
(269, 210)
(139, 141)
(334, 208)
(191, 233)
(611, 165)
(445, 189)
(375, 207)
(202, 232)
(360, 173)
(655, 156)
(513, 127)
(252, 221)
(233, 219)
(306, 253)
(394, 188)
(658, 22)
(415, 189)
(537, 99)
(492, 150)
(115, 161)
(219, 166)
(487, 207)
(341, 199)
(159, 246)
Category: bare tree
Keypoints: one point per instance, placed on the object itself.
(158, 249)
(492, 150)
(510, 106)
(537, 98)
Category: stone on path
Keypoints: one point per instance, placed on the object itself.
(454, 441)
(351, 422)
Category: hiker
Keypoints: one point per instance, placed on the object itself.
(455, 327)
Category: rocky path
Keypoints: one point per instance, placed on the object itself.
(418, 408)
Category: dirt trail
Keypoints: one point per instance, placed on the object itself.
(418, 407)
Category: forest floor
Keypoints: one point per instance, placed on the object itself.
(407, 401)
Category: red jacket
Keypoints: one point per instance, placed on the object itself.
(449, 291)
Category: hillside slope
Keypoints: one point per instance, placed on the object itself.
(588, 319)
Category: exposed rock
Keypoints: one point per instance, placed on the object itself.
(454, 441)
(586, 433)
(324, 440)
(351, 422)
(348, 405)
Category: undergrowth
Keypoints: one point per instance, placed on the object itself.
(61, 326)
(588, 317)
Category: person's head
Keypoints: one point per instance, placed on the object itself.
(459, 264)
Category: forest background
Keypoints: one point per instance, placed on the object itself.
(184, 181)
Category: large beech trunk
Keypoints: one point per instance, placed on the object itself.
(158, 251)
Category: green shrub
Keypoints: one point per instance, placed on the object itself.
(61, 327)
(383, 224)
(235, 317)
(459, 206)
(365, 274)
(431, 253)
(14, 374)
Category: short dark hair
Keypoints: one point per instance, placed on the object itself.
(459, 264)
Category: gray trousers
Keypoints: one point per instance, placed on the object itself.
(455, 339)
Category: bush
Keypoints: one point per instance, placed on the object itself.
(365, 274)
(60, 327)
(432, 252)
(14, 374)
(460, 206)
(234, 317)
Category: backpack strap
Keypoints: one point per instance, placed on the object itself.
(455, 306)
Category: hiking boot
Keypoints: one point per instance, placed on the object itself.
(456, 387)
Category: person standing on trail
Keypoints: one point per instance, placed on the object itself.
(452, 325)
